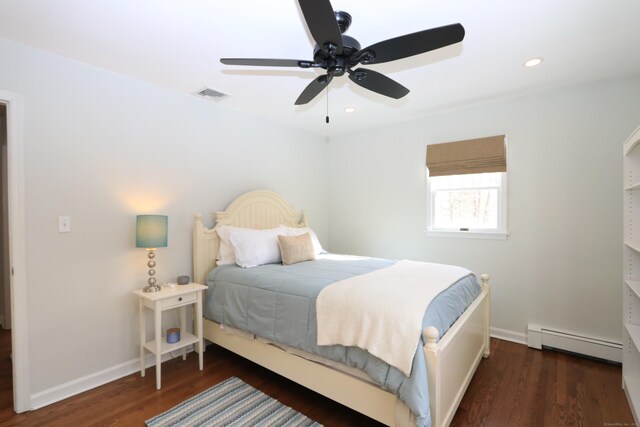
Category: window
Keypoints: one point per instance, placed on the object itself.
(468, 203)
(467, 188)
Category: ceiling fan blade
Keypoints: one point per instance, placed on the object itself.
(265, 62)
(412, 44)
(313, 89)
(378, 83)
(322, 23)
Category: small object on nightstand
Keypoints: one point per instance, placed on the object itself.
(173, 335)
(183, 280)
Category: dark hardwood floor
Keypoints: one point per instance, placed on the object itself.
(516, 386)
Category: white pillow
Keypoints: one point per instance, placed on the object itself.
(225, 253)
(297, 231)
(256, 247)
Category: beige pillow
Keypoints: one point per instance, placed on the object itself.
(296, 248)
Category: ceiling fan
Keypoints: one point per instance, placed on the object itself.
(338, 53)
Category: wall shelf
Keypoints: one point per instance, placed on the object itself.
(632, 142)
(633, 245)
(632, 388)
(631, 274)
(634, 285)
(634, 334)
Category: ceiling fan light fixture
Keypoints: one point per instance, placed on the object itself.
(533, 62)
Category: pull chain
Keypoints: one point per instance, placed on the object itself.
(327, 118)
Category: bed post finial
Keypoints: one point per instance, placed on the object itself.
(431, 335)
(485, 279)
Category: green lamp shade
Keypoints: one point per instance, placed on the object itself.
(151, 231)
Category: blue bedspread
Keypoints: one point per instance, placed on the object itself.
(278, 303)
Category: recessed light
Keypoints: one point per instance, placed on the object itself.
(533, 62)
(349, 110)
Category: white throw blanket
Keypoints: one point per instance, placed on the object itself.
(382, 311)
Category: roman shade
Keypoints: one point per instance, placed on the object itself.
(480, 155)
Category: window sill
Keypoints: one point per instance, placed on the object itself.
(468, 234)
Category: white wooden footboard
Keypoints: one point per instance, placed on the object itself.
(452, 361)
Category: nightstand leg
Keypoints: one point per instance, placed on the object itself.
(198, 324)
(143, 331)
(158, 335)
(183, 328)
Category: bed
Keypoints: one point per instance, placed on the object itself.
(450, 360)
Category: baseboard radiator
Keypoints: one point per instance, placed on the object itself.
(540, 337)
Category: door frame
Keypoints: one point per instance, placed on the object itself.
(17, 251)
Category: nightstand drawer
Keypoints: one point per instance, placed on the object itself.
(179, 300)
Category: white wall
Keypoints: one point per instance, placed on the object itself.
(562, 264)
(101, 148)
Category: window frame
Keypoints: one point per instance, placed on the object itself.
(501, 233)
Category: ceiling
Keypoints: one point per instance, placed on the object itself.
(177, 44)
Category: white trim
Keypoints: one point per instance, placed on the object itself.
(506, 335)
(467, 234)
(96, 379)
(17, 251)
(534, 336)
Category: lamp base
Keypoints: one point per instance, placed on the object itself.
(151, 288)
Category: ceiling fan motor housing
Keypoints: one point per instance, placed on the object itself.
(337, 65)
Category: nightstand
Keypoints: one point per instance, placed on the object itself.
(169, 298)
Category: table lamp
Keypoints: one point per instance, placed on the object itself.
(151, 233)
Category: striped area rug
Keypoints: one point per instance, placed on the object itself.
(231, 403)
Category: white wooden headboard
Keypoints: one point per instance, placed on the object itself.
(256, 209)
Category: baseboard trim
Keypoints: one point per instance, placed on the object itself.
(88, 382)
(507, 335)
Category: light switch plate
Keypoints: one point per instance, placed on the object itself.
(64, 224)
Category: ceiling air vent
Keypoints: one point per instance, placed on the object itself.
(211, 94)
